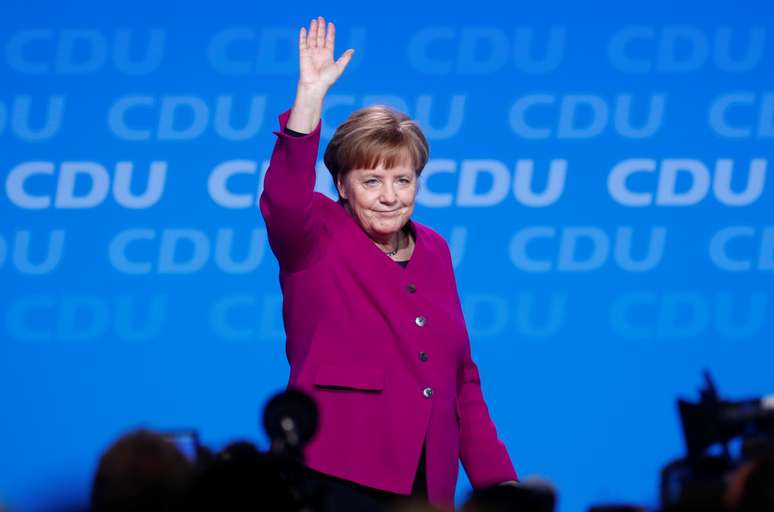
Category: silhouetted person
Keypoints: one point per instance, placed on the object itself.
(525, 497)
(141, 471)
(752, 488)
(241, 478)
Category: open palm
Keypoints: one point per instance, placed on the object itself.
(315, 50)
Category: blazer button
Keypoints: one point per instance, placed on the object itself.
(411, 288)
(428, 392)
(420, 320)
(423, 356)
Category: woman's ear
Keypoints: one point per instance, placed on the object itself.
(341, 187)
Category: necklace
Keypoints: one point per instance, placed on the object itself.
(397, 247)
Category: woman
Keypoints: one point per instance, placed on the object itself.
(375, 331)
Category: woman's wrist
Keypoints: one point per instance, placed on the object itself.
(307, 108)
(316, 91)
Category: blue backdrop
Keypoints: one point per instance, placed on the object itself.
(600, 172)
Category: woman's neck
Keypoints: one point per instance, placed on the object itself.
(392, 244)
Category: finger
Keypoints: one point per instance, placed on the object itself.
(344, 60)
(312, 41)
(320, 32)
(302, 39)
(330, 39)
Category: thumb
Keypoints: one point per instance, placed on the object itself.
(344, 59)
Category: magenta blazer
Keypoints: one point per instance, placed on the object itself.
(384, 350)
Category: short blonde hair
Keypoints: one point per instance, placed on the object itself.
(373, 135)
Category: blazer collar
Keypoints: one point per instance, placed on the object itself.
(378, 256)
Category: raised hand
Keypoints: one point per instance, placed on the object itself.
(318, 70)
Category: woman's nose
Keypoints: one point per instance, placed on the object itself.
(388, 194)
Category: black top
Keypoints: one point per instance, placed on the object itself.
(294, 133)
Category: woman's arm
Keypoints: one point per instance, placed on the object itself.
(287, 199)
(317, 73)
(483, 455)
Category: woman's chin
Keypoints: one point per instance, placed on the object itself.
(386, 229)
(394, 225)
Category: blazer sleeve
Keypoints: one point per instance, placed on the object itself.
(288, 198)
(484, 456)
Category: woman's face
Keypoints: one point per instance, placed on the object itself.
(381, 200)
